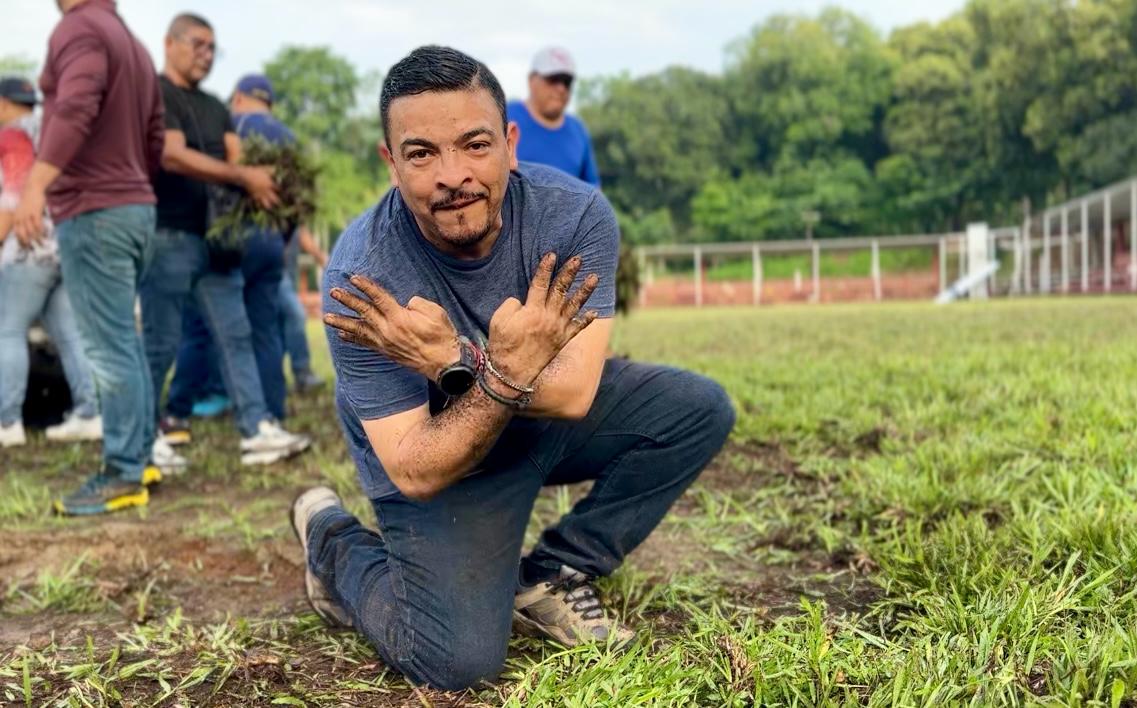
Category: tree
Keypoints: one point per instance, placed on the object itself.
(658, 138)
(315, 90)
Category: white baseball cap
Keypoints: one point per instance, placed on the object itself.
(551, 61)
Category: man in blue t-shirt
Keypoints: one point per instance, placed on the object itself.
(550, 136)
(468, 316)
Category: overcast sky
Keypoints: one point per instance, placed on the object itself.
(606, 36)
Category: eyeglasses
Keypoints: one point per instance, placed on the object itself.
(200, 46)
(564, 79)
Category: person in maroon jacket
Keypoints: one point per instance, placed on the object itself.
(101, 142)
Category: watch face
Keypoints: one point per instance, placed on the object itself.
(456, 380)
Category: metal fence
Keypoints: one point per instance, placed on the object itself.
(1085, 245)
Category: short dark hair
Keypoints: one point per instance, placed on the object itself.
(435, 68)
(184, 21)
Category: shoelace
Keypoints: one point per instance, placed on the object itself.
(580, 596)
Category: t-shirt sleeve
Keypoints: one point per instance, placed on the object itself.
(373, 385)
(589, 173)
(598, 244)
(173, 108)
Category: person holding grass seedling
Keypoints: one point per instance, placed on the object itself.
(201, 182)
(468, 315)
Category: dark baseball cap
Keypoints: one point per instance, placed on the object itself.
(257, 86)
(18, 90)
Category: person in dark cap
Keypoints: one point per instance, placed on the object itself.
(101, 142)
(31, 286)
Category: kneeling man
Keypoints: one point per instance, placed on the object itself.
(469, 314)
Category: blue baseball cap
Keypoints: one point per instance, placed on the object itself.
(18, 90)
(257, 86)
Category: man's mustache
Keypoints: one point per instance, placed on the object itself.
(456, 197)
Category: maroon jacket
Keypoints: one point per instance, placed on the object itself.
(102, 113)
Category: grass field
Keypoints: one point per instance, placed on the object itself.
(918, 506)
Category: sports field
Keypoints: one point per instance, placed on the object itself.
(918, 506)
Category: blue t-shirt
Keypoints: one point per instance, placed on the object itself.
(264, 124)
(544, 210)
(568, 148)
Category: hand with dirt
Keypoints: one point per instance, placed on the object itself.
(419, 336)
(525, 338)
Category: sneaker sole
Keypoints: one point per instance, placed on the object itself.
(73, 438)
(309, 578)
(266, 457)
(178, 437)
(119, 503)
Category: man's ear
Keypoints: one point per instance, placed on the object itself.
(512, 138)
(385, 153)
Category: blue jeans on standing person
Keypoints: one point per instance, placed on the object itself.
(433, 590)
(30, 290)
(104, 254)
(293, 321)
(180, 270)
(259, 275)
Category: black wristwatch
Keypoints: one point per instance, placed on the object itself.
(459, 377)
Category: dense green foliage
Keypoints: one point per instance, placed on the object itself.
(318, 97)
(923, 130)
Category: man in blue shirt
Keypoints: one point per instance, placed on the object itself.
(550, 136)
(468, 316)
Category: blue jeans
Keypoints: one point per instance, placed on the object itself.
(198, 354)
(31, 290)
(433, 591)
(293, 320)
(180, 269)
(104, 254)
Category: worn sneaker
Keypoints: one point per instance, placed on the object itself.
(76, 429)
(165, 460)
(567, 610)
(102, 493)
(307, 381)
(271, 444)
(176, 431)
(304, 507)
(13, 435)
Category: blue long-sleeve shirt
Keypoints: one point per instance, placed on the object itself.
(568, 148)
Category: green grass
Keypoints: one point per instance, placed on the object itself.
(919, 506)
(833, 264)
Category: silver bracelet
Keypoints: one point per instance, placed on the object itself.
(501, 377)
(520, 403)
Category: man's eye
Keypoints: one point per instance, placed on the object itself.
(418, 155)
(479, 146)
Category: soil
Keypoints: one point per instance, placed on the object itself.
(165, 559)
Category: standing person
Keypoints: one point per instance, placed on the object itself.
(453, 439)
(31, 287)
(549, 135)
(101, 142)
(293, 317)
(261, 267)
(201, 147)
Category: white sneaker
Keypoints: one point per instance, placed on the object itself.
(304, 507)
(271, 444)
(76, 429)
(13, 435)
(165, 459)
